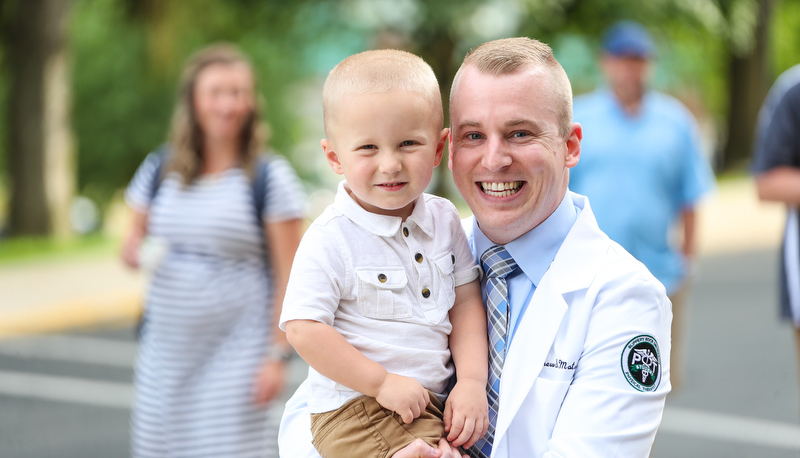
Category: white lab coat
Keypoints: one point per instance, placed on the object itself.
(563, 392)
(591, 302)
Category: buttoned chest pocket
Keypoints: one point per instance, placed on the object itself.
(445, 265)
(381, 293)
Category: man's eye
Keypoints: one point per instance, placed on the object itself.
(473, 136)
(519, 134)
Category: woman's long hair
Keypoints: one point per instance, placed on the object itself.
(186, 135)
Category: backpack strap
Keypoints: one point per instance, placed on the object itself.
(161, 153)
(260, 179)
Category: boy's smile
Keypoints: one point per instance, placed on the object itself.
(386, 144)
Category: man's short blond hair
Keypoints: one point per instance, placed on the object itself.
(508, 55)
(380, 70)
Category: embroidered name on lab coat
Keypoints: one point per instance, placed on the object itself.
(560, 364)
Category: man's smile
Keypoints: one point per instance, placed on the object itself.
(503, 189)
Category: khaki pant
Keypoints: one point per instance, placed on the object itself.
(362, 428)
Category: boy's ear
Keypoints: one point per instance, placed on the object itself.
(330, 155)
(440, 146)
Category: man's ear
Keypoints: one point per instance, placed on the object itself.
(450, 149)
(440, 146)
(574, 145)
(330, 155)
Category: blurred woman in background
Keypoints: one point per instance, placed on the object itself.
(217, 223)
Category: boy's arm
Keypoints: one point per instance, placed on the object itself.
(327, 351)
(466, 415)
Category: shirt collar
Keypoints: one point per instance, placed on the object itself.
(382, 225)
(535, 250)
(611, 99)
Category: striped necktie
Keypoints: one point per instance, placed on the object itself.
(497, 264)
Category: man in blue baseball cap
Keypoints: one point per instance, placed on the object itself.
(643, 168)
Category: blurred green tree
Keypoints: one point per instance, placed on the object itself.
(39, 144)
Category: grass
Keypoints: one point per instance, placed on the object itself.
(39, 248)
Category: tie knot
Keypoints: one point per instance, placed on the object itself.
(497, 262)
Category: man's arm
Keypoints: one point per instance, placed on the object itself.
(607, 411)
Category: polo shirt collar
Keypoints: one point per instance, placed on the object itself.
(382, 225)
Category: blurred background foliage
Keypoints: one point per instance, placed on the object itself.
(125, 56)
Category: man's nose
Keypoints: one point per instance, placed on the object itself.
(496, 156)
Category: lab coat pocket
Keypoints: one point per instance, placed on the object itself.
(381, 293)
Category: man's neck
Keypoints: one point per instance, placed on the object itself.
(631, 103)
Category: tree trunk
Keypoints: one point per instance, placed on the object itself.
(40, 147)
(746, 90)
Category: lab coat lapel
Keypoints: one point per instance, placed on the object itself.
(528, 351)
(573, 269)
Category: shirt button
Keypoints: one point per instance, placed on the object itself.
(418, 257)
(405, 231)
(382, 278)
(426, 293)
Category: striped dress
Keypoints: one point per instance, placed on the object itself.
(209, 316)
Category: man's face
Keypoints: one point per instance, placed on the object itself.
(508, 159)
(627, 76)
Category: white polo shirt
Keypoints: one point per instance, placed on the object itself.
(386, 285)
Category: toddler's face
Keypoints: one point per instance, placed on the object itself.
(386, 145)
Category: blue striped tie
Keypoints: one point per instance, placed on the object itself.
(497, 264)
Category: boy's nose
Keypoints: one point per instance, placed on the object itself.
(390, 163)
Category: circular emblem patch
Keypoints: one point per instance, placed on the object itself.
(641, 363)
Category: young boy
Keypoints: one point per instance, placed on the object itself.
(384, 287)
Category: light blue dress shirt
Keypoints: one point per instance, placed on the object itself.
(533, 252)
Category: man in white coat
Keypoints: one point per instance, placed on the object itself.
(585, 347)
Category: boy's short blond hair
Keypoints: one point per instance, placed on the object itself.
(380, 70)
(509, 55)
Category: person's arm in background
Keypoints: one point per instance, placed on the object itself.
(282, 239)
(130, 250)
(780, 184)
(689, 218)
(778, 151)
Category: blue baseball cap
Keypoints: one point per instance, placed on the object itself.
(628, 39)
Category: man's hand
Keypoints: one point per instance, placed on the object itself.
(419, 449)
(403, 395)
(466, 413)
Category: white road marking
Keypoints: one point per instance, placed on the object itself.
(78, 349)
(731, 428)
(66, 389)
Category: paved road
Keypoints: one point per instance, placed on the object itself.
(68, 395)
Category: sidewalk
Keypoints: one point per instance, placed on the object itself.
(49, 296)
(39, 297)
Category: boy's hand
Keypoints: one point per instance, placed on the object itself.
(404, 395)
(466, 413)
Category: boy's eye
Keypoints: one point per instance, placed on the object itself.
(408, 143)
(368, 147)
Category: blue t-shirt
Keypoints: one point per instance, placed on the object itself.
(639, 173)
